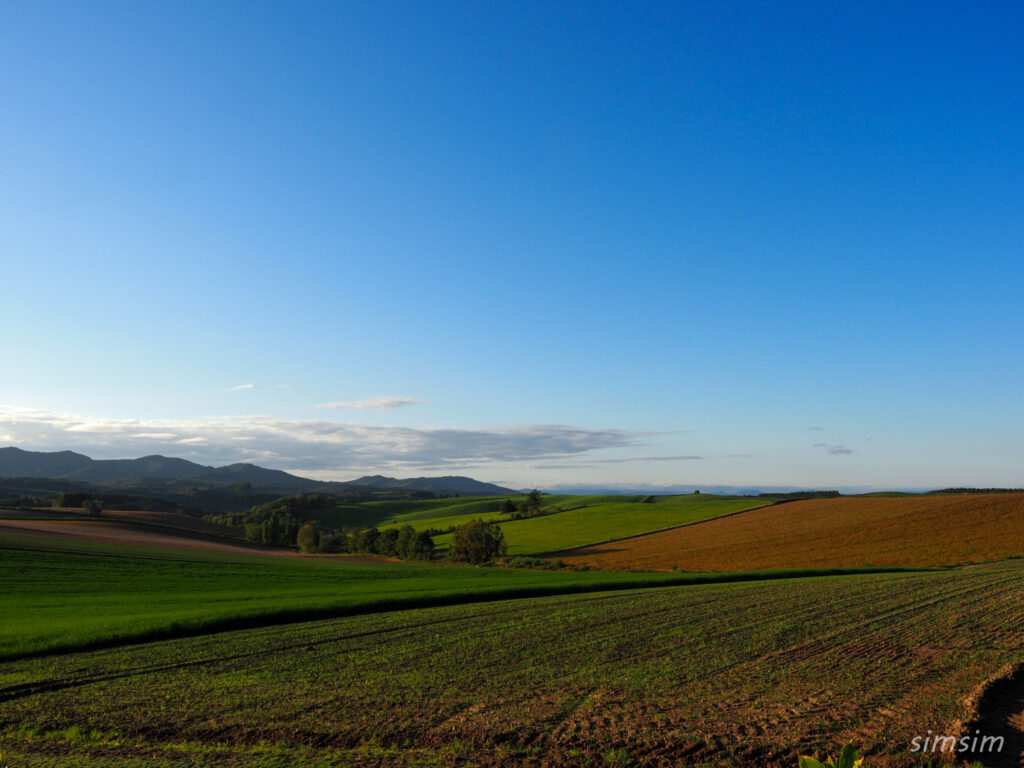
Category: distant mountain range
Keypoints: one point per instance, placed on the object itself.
(163, 470)
(464, 486)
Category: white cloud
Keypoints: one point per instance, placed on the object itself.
(248, 387)
(384, 403)
(320, 447)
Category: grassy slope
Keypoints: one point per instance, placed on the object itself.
(610, 517)
(910, 530)
(725, 675)
(383, 514)
(91, 595)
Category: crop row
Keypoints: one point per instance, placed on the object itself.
(704, 674)
(77, 599)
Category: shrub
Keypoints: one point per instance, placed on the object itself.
(525, 561)
(338, 543)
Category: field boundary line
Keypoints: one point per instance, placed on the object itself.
(555, 552)
(279, 617)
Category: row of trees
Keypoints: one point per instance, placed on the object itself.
(277, 522)
(85, 501)
(474, 542)
(405, 542)
(277, 528)
(528, 507)
(297, 506)
(281, 523)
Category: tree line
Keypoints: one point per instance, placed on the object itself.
(528, 507)
(405, 542)
(284, 522)
(474, 542)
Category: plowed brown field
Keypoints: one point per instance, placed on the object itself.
(910, 531)
(115, 532)
(719, 676)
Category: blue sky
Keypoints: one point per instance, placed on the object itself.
(710, 243)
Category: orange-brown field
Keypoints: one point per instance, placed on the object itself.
(167, 519)
(116, 532)
(911, 531)
(175, 520)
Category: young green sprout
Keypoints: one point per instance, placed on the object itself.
(848, 758)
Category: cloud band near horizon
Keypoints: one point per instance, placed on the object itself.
(317, 446)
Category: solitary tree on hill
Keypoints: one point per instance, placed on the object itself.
(533, 500)
(477, 542)
(308, 537)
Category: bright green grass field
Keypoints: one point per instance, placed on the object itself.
(610, 517)
(456, 515)
(106, 594)
(96, 595)
(425, 513)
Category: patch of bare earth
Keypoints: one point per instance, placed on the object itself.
(117, 532)
(177, 520)
(830, 533)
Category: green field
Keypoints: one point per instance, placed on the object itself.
(384, 514)
(604, 518)
(587, 519)
(568, 521)
(718, 675)
(91, 595)
(131, 656)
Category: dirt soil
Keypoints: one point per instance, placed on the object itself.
(830, 533)
(117, 532)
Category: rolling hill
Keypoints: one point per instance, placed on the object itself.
(841, 532)
(164, 470)
(464, 486)
(15, 462)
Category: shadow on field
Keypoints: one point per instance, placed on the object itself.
(1000, 715)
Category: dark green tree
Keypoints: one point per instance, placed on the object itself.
(72, 499)
(421, 548)
(387, 543)
(336, 544)
(413, 544)
(308, 537)
(366, 540)
(534, 499)
(477, 542)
